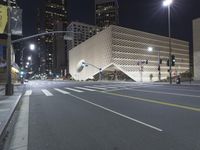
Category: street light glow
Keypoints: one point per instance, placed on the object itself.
(27, 63)
(150, 49)
(29, 58)
(167, 3)
(32, 47)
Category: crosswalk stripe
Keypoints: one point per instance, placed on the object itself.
(46, 92)
(28, 92)
(98, 88)
(71, 89)
(86, 89)
(61, 91)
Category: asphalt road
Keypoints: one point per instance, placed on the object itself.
(112, 116)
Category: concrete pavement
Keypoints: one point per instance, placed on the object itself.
(109, 116)
(8, 105)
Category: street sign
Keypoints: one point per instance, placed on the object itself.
(3, 18)
(69, 36)
(16, 21)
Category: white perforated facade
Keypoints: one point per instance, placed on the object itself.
(196, 48)
(123, 48)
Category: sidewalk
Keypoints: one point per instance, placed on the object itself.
(8, 105)
(2, 87)
(185, 83)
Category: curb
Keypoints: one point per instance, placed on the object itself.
(5, 124)
(182, 84)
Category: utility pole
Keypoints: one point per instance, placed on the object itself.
(9, 85)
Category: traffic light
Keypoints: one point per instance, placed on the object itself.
(173, 59)
(159, 68)
(167, 62)
(160, 61)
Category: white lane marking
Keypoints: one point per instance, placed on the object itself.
(3, 110)
(28, 93)
(46, 92)
(128, 88)
(86, 89)
(117, 113)
(98, 88)
(61, 91)
(75, 90)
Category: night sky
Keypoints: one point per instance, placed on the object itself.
(145, 15)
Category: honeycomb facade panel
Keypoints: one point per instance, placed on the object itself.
(131, 46)
(128, 47)
(95, 51)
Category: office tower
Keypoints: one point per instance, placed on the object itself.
(80, 33)
(51, 17)
(106, 13)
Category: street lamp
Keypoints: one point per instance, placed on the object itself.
(82, 64)
(29, 58)
(167, 3)
(32, 47)
(151, 49)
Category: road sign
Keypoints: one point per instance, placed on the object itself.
(3, 18)
(16, 21)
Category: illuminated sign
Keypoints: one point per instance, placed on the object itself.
(3, 18)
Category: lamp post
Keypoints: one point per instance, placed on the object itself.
(151, 49)
(167, 3)
(9, 85)
(31, 47)
(30, 59)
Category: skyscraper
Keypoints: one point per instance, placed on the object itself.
(106, 13)
(12, 2)
(51, 17)
(81, 32)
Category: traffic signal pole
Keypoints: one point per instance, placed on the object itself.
(170, 46)
(159, 61)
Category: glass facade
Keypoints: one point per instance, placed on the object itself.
(106, 13)
(50, 16)
(81, 32)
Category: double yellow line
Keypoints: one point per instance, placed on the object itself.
(154, 101)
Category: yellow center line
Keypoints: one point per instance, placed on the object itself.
(155, 101)
(167, 93)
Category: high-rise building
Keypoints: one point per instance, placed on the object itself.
(51, 17)
(106, 13)
(80, 33)
(12, 2)
(196, 48)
